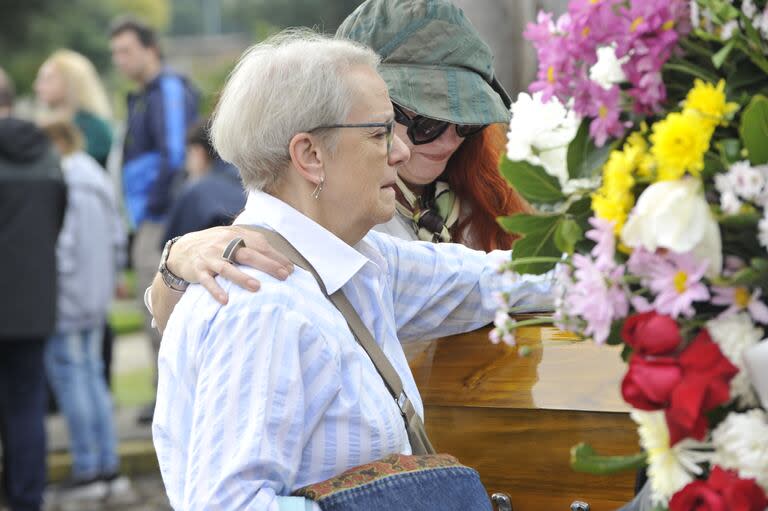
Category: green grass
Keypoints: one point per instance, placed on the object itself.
(133, 388)
(125, 318)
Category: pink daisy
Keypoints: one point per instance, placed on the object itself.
(738, 299)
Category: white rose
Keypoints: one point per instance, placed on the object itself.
(607, 70)
(540, 133)
(675, 215)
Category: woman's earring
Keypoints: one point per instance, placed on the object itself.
(319, 188)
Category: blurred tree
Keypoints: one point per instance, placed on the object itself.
(156, 13)
(324, 15)
(30, 30)
(187, 17)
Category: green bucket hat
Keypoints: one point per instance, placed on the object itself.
(433, 59)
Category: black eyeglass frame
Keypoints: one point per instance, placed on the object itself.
(390, 125)
(414, 123)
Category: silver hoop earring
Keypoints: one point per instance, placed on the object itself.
(318, 188)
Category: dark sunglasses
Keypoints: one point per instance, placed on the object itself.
(390, 126)
(423, 130)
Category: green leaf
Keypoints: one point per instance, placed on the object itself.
(531, 181)
(567, 234)
(585, 160)
(691, 69)
(538, 244)
(585, 459)
(760, 264)
(523, 223)
(754, 130)
(626, 352)
(747, 76)
(614, 335)
(730, 150)
(740, 221)
(722, 54)
(722, 11)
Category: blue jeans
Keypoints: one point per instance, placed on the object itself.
(444, 489)
(75, 371)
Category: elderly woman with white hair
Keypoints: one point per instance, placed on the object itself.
(273, 392)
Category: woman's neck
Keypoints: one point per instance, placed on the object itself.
(328, 217)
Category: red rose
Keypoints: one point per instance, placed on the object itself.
(724, 490)
(649, 382)
(697, 496)
(706, 376)
(650, 333)
(739, 494)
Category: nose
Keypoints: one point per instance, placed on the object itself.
(399, 154)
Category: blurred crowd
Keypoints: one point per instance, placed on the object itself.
(64, 232)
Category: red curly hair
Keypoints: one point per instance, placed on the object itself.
(473, 174)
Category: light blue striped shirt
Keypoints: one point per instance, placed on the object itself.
(272, 392)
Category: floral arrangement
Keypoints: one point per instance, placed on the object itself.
(644, 148)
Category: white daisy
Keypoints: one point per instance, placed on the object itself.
(670, 468)
(741, 444)
(734, 334)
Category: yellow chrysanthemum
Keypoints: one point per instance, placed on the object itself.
(679, 143)
(643, 161)
(617, 173)
(612, 207)
(614, 199)
(709, 101)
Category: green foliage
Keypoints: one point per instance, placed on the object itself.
(584, 159)
(320, 14)
(754, 130)
(31, 30)
(531, 181)
(585, 459)
(567, 234)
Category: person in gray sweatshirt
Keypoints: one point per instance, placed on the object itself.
(89, 253)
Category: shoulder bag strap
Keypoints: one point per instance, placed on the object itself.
(417, 435)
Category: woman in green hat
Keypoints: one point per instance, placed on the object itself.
(451, 112)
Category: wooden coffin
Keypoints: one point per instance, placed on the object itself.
(514, 417)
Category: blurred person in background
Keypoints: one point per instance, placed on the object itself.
(68, 86)
(32, 205)
(451, 112)
(159, 114)
(212, 195)
(90, 251)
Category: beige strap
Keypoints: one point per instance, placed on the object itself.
(417, 435)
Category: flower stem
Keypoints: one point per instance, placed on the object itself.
(531, 260)
(533, 322)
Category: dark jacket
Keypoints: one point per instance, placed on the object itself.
(214, 199)
(32, 205)
(158, 118)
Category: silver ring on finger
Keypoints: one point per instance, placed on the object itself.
(231, 249)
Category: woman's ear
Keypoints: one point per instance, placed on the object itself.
(307, 156)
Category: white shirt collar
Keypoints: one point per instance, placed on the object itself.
(335, 261)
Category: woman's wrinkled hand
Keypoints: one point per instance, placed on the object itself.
(196, 257)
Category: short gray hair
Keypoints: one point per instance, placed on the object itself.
(288, 84)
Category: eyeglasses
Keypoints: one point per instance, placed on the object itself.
(390, 133)
(423, 130)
